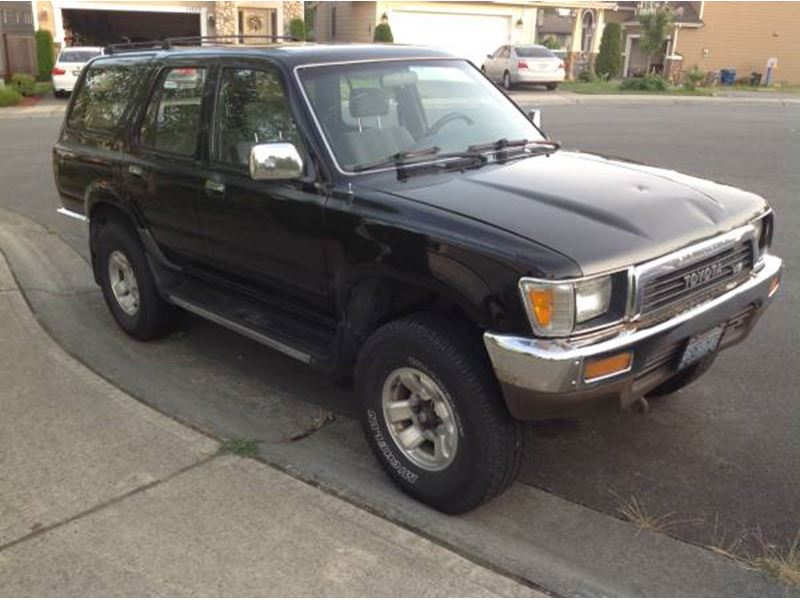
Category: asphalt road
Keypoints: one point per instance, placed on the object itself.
(721, 458)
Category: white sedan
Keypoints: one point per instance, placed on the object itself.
(510, 65)
(68, 66)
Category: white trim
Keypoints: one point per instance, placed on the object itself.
(628, 39)
(702, 9)
(204, 21)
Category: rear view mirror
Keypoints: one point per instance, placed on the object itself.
(535, 115)
(275, 161)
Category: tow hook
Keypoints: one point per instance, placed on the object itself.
(640, 406)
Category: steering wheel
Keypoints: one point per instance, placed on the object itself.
(449, 118)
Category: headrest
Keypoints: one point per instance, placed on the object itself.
(369, 102)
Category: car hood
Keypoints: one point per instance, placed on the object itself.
(603, 213)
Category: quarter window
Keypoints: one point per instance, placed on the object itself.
(103, 97)
(172, 122)
(252, 109)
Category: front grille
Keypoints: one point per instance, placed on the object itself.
(668, 290)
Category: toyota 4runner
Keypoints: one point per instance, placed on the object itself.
(387, 214)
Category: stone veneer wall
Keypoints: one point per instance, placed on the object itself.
(226, 18)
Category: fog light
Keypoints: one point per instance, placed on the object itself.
(774, 286)
(599, 368)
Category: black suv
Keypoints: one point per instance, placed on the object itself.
(386, 213)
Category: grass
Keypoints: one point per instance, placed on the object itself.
(784, 564)
(239, 447)
(612, 87)
(635, 512)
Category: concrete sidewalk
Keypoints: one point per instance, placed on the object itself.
(46, 107)
(101, 495)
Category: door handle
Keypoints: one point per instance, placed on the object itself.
(215, 186)
(135, 170)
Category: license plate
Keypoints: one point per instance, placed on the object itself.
(701, 345)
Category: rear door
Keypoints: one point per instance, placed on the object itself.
(165, 175)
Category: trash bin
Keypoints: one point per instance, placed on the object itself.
(727, 76)
(755, 79)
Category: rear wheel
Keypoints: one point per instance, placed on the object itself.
(433, 416)
(552, 86)
(507, 80)
(128, 285)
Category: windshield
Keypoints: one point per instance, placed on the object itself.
(78, 56)
(371, 112)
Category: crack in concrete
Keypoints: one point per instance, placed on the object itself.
(105, 504)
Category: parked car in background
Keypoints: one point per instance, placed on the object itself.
(512, 65)
(68, 66)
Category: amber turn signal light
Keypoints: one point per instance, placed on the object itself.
(597, 368)
(541, 300)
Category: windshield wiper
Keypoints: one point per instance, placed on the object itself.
(505, 144)
(399, 159)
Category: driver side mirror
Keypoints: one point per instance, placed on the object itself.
(275, 161)
(535, 116)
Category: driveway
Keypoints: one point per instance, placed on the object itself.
(721, 458)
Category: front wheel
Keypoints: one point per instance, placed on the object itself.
(433, 416)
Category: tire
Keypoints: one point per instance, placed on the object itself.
(486, 446)
(507, 81)
(682, 378)
(59, 93)
(552, 86)
(137, 306)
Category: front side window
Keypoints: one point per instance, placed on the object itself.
(104, 96)
(370, 112)
(172, 122)
(252, 109)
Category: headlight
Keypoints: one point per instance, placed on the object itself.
(555, 308)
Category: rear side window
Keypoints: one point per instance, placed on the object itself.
(104, 96)
(534, 52)
(172, 122)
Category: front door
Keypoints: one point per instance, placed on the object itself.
(266, 234)
(164, 176)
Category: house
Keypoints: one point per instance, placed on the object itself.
(712, 36)
(469, 29)
(93, 23)
(17, 43)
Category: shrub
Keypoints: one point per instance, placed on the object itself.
(9, 96)
(693, 78)
(649, 83)
(551, 42)
(297, 29)
(383, 33)
(587, 76)
(24, 84)
(45, 54)
(609, 58)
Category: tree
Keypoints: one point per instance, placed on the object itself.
(609, 58)
(383, 33)
(655, 25)
(45, 54)
(297, 29)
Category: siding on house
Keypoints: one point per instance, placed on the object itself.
(742, 36)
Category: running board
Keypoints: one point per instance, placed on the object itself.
(72, 214)
(278, 329)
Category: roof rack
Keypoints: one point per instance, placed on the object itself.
(198, 40)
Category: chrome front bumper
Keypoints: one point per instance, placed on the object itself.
(543, 378)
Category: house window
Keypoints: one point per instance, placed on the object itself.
(28, 18)
(333, 22)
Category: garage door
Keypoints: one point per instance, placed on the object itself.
(470, 36)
